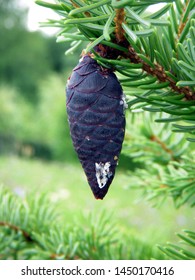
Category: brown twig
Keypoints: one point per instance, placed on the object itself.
(16, 228)
(119, 19)
(154, 138)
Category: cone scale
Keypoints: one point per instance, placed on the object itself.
(95, 107)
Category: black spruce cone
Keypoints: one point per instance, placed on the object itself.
(95, 107)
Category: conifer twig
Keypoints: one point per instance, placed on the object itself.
(159, 72)
(16, 228)
(154, 138)
(119, 19)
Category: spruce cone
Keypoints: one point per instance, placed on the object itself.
(95, 107)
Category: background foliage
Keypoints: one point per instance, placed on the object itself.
(40, 197)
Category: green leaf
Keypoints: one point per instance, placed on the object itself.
(88, 7)
(73, 48)
(130, 33)
(94, 43)
(140, 82)
(185, 83)
(173, 111)
(170, 119)
(190, 233)
(136, 17)
(171, 37)
(159, 22)
(115, 46)
(184, 55)
(186, 30)
(191, 49)
(144, 32)
(191, 140)
(179, 6)
(192, 34)
(175, 253)
(106, 31)
(167, 49)
(171, 76)
(85, 20)
(120, 63)
(173, 19)
(160, 59)
(155, 86)
(173, 97)
(50, 5)
(190, 6)
(70, 37)
(186, 128)
(145, 59)
(186, 66)
(121, 4)
(161, 11)
(159, 49)
(91, 27)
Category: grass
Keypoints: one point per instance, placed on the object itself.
(66, 185)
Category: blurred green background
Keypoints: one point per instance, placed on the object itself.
(36, 152)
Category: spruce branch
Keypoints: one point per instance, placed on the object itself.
(55, 239)
(164, 160)
(183, 251)
(17, 229)
(155, 70)
(158, 71)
